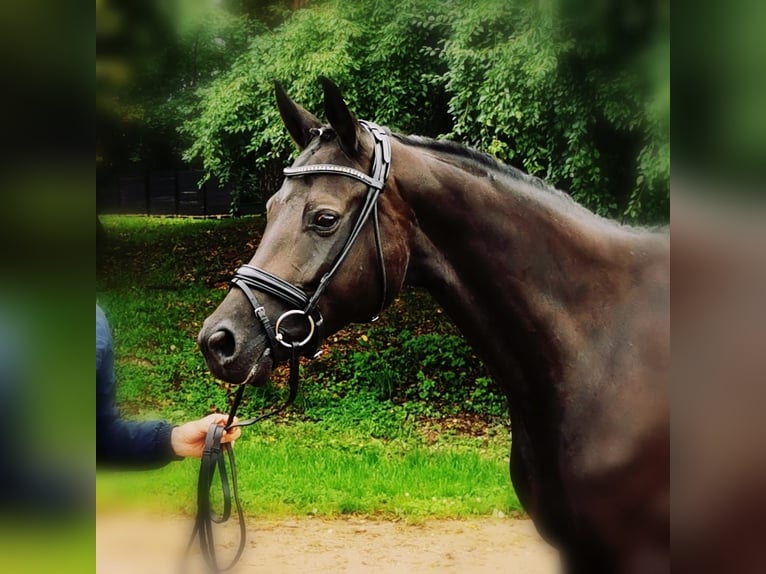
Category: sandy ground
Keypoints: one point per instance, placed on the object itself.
(144, 544)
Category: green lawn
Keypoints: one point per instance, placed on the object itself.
(308, 469)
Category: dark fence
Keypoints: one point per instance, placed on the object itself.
(168, 192)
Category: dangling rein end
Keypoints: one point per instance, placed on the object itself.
(214, 457)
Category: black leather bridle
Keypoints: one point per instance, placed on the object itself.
(301, 304)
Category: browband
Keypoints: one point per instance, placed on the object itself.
(330, 168)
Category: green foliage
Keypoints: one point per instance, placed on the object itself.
(575, 93)
(236, 135)
(530, 89)
(429, 374)
(577, 97)
(398, 82)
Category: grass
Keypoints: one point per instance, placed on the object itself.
(346, 447)
(308, 469)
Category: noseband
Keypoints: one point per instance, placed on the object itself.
(306, 305)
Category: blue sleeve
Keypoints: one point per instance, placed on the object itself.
(122, 443)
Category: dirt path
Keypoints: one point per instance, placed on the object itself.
(131, 543)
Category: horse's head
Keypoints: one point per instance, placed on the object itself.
(334, 251)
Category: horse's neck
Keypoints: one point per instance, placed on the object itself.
(515, 267)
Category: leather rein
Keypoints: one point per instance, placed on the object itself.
(302, 304)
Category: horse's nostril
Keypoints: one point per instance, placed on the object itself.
(222, 343)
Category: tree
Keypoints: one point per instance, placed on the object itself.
(577, 96)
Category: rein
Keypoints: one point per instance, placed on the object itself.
(249, 277)
(214, 458)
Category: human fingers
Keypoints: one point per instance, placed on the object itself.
(231, 435)
(217, 418)
(202, 425)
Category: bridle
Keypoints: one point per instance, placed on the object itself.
(301, 304)
(304, 304)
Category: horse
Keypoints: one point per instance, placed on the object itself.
(568, 310)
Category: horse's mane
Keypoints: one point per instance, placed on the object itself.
(474, 157)
(483, 159)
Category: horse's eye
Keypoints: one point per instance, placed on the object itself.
(325, 220)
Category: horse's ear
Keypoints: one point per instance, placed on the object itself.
(298, 121)
(340, 118)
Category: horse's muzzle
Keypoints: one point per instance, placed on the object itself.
(235, 359)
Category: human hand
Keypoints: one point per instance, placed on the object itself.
(189, 439)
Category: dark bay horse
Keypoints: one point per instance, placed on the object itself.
(569, 311)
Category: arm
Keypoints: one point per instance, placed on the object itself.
(119, 442)
(132, 444)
